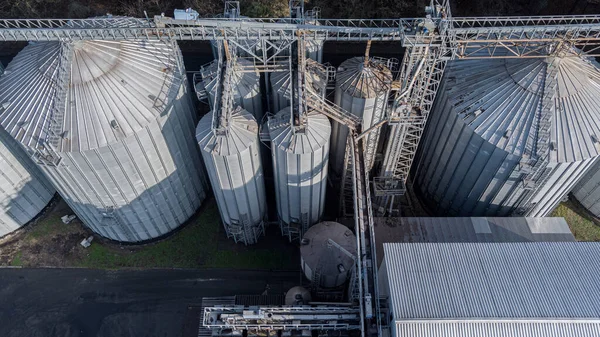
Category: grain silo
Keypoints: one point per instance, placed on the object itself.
(111, 124)
(246, 86)
(281, 84)
(24, 191)
(232, 159)
(362, 88)
(327, 254)
(509, 136)
(300, 158)
(587, 190)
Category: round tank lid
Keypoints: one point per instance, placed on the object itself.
(318, 251)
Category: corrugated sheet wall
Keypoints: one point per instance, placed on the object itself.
(587, 190)
(141, 187)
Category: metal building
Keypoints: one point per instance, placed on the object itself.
(300, 158)
(111, 124)
(232, 158)
(24, 191)
(327, 254)
(246, 86)
(532, 289)
(509, 136)
(362, 88)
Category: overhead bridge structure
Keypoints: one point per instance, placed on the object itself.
(430, 42)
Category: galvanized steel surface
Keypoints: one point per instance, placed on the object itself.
(363, 91)
(497, 329)
(587, 190)
(24, 190)
(127, 164)
(246, 92)
(281, 87)
(485, 130)
(320, 257)
(539, 281)
(235, 170)
(300, 158)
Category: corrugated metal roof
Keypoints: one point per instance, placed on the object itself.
(543, 281)
(501, 100)
(470, 229)
(364, 82)
(116, 88)
(498, 329)
(313, 136)
(240, 133)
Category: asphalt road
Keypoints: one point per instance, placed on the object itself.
(146, 303)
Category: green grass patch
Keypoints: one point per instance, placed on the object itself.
(195, 246)
(583, 226)
(16, 261)
(52, 224)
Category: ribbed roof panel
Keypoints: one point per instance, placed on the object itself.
(240, 133)
(363, 81)
(311, 138)
(115, 89)
(494, 281)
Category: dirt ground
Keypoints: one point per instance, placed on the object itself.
(46, 241)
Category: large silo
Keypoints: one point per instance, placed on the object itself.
(24, 191)
(246, 83)
(232, 159)
(587, 190)
(111, 124)
(327, 254)
(362, 89)
(300, 158)
(492, 119)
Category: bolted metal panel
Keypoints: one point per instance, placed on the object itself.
(300, 158)
(333, 266)
(483, 141)
(232, 160)
(247, 86)
(280, 89)
(124, 158)
(24, 190)
(362, 91)
(587, 190)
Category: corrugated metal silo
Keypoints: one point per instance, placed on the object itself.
(111, 124)
(324, 262)
(587, 190)
(487, 129)
(281, 83)
(232, 159)
(24, 191)
(247, 86)
(300, 158)
(361, 89)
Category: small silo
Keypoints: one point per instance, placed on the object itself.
(300, 159)
(246, 92)
(362, 89)
(327, 254)
(297, 296)
(111, 124)
(493, 119)
(281, 84)
(232, 159)
(24, 191)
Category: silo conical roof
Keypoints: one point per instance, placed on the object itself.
(115, 88)
(240, 133)
(363, 81)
